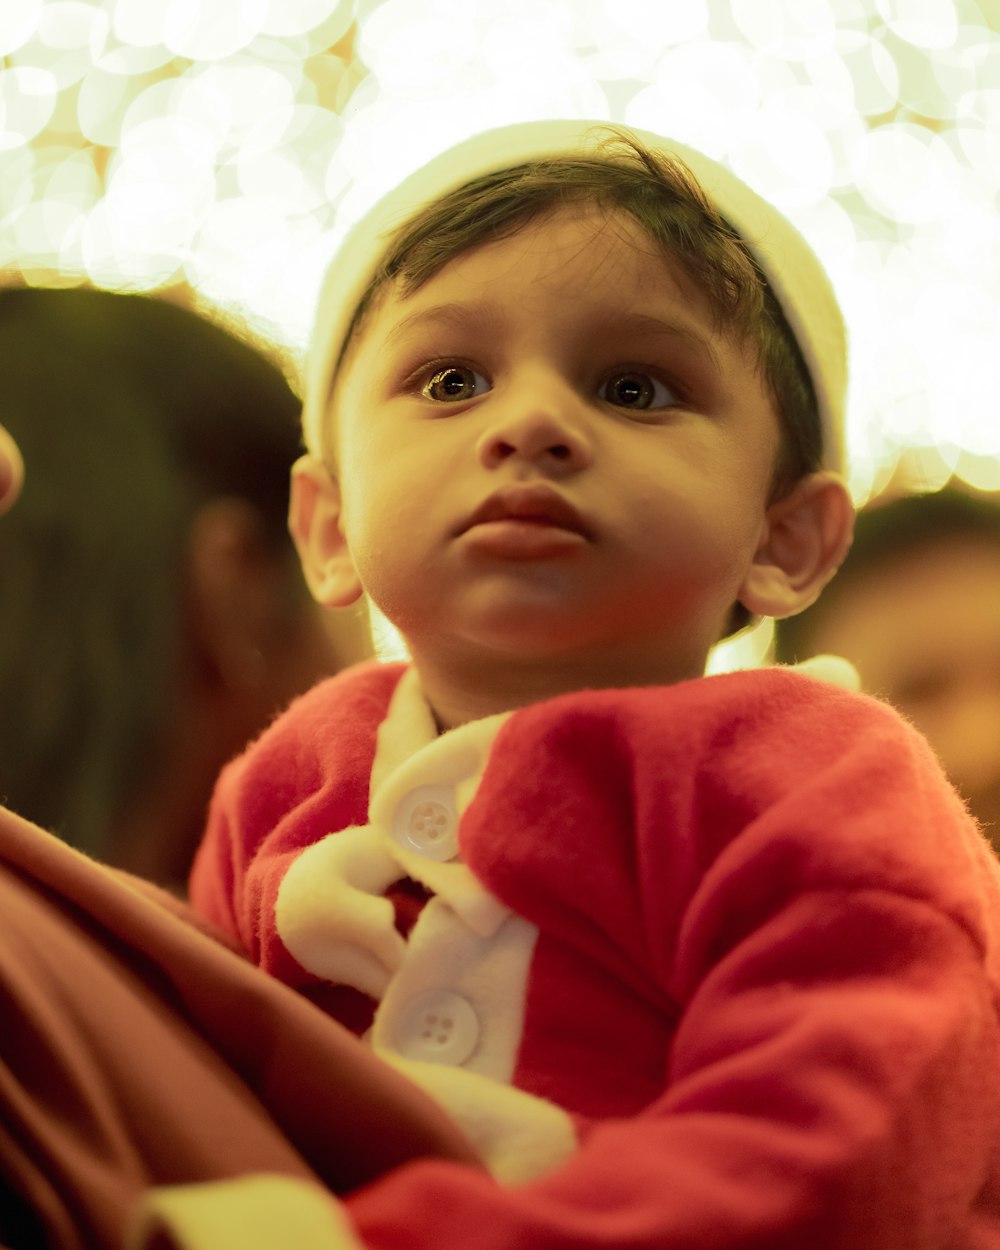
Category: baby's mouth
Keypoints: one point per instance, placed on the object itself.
(528, 505)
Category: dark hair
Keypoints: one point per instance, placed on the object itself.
(662, 195)
(887, 532)
(132, 412)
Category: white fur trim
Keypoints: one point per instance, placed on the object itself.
(466, 945)
(408, 726)
(833, 669)
(331, 915)
(517, 1135)
(454, 761)
(262, 1212)
(330, 912)
(792, 268)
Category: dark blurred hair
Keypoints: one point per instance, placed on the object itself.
(885, 533)
(131, 413)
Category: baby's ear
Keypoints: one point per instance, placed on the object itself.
(314, 522)
(807, 534)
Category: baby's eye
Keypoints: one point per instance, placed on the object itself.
(634, 389)
(454, 383)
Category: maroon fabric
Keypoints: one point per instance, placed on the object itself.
(137, 1050)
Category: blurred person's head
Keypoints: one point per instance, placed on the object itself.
(916, 609)
(152, 613)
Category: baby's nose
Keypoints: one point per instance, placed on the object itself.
(537, 435)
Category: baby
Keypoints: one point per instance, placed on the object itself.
(694, 961)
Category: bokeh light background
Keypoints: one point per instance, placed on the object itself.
(224, 146)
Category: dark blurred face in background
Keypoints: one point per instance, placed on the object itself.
(924, 632)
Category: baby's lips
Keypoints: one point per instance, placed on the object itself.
(536, 502)
(11, 470)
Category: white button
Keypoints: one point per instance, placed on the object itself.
(426, 821)
(438, 1027)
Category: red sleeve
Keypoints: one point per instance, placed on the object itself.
(832, 1082)
(306, 776)
(821, 1100)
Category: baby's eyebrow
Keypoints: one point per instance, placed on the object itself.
(452, 315)
(621, 323)
(647, 326)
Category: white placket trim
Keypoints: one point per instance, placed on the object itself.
(451, 997)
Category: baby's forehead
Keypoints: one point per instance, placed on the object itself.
(587, 227)
(575, 246)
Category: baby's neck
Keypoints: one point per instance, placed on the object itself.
(461, 693)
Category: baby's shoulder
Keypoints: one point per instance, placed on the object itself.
(308, 771)
(733, 708)
(327, 732)
(349, 703)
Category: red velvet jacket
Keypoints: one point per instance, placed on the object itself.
(762, 961)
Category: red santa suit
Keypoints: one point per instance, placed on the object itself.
(710, 965)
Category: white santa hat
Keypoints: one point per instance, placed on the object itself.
(791, 267)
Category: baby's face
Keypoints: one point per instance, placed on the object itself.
(549, 454)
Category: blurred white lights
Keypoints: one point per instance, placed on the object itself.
(18, 22)
(298, 17)
(140, 23)
(797, 30)
(926, 23)
(787, 155)
(661, 25)
(873, 71)
(229, 143)
(62, 41)
(702, 94)
(907, 173)
(27, 101)
(210, 31)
